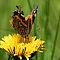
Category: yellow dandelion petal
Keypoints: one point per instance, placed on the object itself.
(27, 58)
(19, 48)
(9, 42)
(15, 45)
(33, 39)
(20, 57)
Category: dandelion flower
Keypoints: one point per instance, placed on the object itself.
(16, 46)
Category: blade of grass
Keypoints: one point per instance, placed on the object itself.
(47, 18)
(55, 40)
(46, 23)
(29, 5)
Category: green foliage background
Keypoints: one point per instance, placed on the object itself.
(46, 25)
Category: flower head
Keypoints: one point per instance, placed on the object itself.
(17, 45)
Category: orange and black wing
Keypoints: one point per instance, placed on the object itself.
(30, 18)
(23, 24)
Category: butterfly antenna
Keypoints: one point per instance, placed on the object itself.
(17, 7)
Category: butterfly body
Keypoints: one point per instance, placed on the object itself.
(23, 24)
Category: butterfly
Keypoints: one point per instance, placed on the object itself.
(23, 24)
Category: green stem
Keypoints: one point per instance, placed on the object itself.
(55, 40)
(36, 56)
(9, 57)
(29, 5)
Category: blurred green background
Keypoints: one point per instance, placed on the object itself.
(46, 25)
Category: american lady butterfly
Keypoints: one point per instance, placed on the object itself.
(23, 24)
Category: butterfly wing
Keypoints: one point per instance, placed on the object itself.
(20, 23)
(30, 18)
